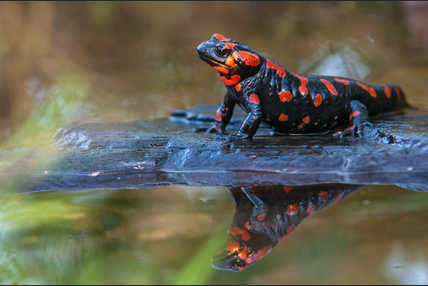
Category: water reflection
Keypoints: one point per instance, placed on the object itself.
(264, 216)
(169, 235)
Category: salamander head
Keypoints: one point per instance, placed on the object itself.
(233, 61)
(243, 249)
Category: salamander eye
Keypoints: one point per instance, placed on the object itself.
(221, 50)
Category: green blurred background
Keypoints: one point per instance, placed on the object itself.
(108, 62)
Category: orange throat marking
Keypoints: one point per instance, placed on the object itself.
(234, 79)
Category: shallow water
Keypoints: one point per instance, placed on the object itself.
(86, 63)
(376, 235)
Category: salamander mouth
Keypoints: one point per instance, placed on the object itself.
(231, 263)
(212, 61)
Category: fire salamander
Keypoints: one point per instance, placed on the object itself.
(265, 215)
(288, 102)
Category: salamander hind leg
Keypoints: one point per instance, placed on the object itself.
(358, 120)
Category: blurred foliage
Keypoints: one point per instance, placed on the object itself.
(198, 270)
(102, 12)
(63, 104)
(69, 238)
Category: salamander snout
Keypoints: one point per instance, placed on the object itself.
(201, 48)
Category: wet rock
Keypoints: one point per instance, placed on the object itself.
(143, 154)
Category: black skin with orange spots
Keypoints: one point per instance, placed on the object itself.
(288, 102)
(266, 215)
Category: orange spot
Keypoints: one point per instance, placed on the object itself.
(283, 117)
(261, 217)
(387, 91)
(247, 225)
(303, 82)
(239, 231)
(242, 253)
(231, 248)
(229, 46)
(343, 81)
(318, 100)
(351, 127)
(329, 86)
(370, 90)
(292, 209)
(339, 132)
(310, 209)
(287, 189)
(300, 126)
(397, 91)
(285, 96)
(238, 87)
(282, 237)
(355, 113)
(279, 70)
(221, 69)
(338, 198)
(215, 128)
(218, 115)
(306, 119)
(262, 252)
(250, 59)
(254, 98)
(230, 62)
(234, 79)
(289, 230)
(323, 196)
(220, 37)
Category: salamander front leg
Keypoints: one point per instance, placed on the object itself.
(223, 115)
(358, 120)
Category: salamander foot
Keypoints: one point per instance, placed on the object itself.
(355, 130)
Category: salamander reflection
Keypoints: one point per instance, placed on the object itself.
(266, 215)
